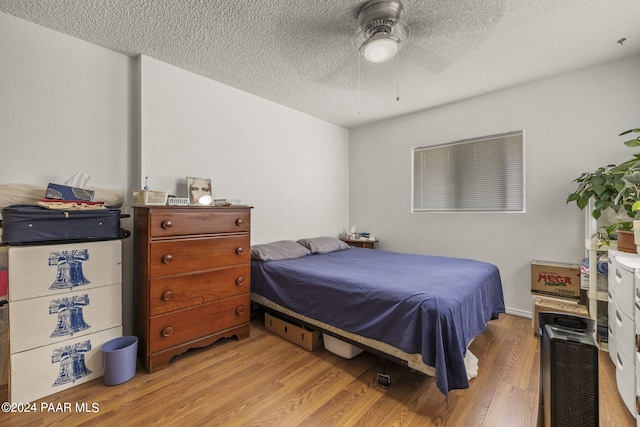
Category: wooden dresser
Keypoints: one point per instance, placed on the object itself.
(192, 278)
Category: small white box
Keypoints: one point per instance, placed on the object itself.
(340, 348)
(178, 201)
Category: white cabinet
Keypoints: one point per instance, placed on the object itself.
(624, 282)
(65, 301)
(636, 308)
(612, 334)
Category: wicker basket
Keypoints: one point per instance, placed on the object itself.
(150, 198)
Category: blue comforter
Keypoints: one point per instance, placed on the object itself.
(421, 304)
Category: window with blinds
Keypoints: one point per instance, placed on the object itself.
(478, 174)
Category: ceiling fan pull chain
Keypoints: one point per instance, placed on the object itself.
(359, 85)
(398, 79)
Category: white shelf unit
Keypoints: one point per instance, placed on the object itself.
(594, 251)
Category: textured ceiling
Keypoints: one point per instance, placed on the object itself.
(300, 53)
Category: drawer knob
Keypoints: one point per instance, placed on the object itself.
(167, 295)
(239, 310)
(240, 250)
(637, 342)
(166, 224)
(240, 280)
(239, 222)
(167, 258)
(167, 331)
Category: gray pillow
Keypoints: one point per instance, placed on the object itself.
(323, 244)
(282, 249)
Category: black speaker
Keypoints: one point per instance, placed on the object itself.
(568, 370)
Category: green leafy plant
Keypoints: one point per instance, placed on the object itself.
(605, 234)
(632, 142)
(612, 187)
(629, 196)
(603, 186)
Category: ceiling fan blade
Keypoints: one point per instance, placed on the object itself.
(440, 37)
(430, 61)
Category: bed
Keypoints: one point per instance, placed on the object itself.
(422, 310)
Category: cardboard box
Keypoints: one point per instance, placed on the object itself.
(305, 338)
(555, 279)
(601, 280)
(555, 306)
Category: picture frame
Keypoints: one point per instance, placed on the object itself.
(199, 191)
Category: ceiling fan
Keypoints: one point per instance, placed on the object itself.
(381, 31)
(413, 39)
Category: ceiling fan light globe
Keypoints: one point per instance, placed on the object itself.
(380, 49)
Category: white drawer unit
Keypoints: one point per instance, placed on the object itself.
(611, 271)
(636, 308)
(46, 370)
(637, 386)
(624, 282)
(36, 271)
(65, 301)
(46, 320)
(626, 381)
(612, 336)
(636, 299)
(625, 329)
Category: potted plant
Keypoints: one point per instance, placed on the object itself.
(615, 188)
(634, 180)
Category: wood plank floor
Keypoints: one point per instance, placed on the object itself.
(267, 381)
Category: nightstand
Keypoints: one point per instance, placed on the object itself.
(360, 243)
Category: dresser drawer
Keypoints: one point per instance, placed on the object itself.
(625, 335)
(182, 326)
(183, 256)
(624, 287)
(52, 368)
(181, 222)
(184, 291)
(36, 271)
(47, 320)
(626, 381)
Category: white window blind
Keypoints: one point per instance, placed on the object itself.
(479, 174)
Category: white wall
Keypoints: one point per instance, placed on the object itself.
(65, 106)
(571, 124)
(69, 106)
(292, 168)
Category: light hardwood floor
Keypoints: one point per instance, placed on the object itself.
(267, 381)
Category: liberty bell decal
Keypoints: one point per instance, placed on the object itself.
(69, 263)
(72, 364)
(70, 316)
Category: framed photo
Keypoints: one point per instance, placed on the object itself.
(199, 190)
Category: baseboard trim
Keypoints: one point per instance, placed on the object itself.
(520, 313)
